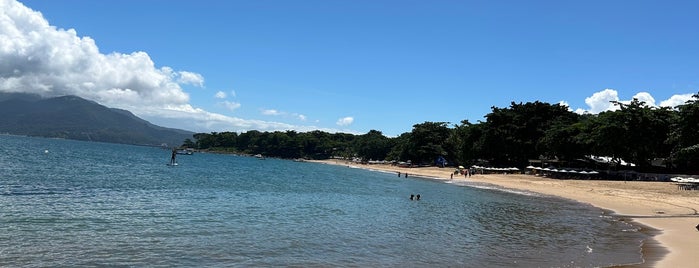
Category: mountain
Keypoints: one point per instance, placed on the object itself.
(72, 117)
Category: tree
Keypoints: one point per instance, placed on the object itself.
(427, 141)
(512, 136)
(465, 143)
(636, 133)
(686, 135)
(373, 145)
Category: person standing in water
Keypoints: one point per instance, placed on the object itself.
(172, 158)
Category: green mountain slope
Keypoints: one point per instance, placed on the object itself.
(72, 117)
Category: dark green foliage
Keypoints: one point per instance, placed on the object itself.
(426, 142)
(372, 146)
(516, 134)
(510, 136)
(685, 135)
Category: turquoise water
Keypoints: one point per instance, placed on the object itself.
(98, 204)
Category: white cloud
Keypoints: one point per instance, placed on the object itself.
(39, 58)
(345, 121)
(676, 100)
(230, 105)
(220, 95)
(190, 78)
(601, 101)
(274, 112)
(36, 57)
(644, 97)
(271, 112)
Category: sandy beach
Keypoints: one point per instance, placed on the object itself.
(658, 205)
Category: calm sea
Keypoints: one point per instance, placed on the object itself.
(73, 203)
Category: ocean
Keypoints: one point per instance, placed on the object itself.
(76, 203)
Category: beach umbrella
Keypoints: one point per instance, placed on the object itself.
(531, 167)
(461, 167)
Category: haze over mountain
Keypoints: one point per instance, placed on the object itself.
(72, 117)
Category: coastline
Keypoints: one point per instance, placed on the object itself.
(673, 213)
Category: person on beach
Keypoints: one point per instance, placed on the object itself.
(418, 197)
(398, 173)
(406, 174)
(452, 176)
(412, 196)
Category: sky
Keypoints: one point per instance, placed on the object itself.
(347, 65)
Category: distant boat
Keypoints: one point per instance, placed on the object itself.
(185, 151)
(259, 156)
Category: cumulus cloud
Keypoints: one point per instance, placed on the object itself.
(230, 105)
(36, 57)
(345, 121)
(644, 97)
(39, 58)
(602, 101)
(220, 95)
(190, 78)
(676, 100)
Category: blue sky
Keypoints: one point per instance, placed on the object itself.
(348, 66)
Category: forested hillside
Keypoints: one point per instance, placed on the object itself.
(652, 138)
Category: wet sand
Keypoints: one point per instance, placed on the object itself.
(658, 205)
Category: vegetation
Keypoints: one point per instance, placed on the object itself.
(652, 138)
(71, 117)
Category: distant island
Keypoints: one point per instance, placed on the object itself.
(72, 117)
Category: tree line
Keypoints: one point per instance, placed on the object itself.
(652, 138)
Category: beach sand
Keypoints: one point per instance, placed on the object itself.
(658, 205)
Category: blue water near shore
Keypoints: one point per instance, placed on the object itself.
(98, 204)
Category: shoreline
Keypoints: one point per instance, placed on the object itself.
(670, 213)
